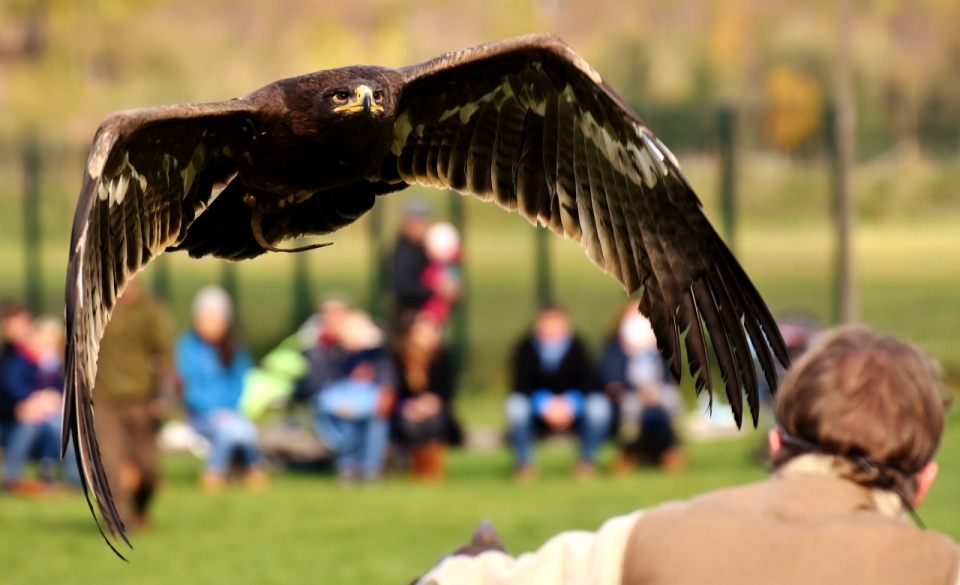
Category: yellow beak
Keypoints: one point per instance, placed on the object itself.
(364, 101)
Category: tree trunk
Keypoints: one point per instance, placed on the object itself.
(846, 285)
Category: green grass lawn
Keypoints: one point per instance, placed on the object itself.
(307, 529)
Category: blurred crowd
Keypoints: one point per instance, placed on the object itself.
(377, 397)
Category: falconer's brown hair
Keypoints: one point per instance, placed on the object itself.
(866, 397)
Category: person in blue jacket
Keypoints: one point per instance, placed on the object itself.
(212, 364)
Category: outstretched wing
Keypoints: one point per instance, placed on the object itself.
(528, 124)
(149, 173)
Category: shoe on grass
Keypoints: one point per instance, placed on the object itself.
(524, 472)
(256, 479)
(585, 469)
(27, 488)
(212, 482)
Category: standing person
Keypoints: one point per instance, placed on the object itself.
(136, 359)
(410, 260)
(423, 416)
(860, 418)
(553, 386)
(212, 364)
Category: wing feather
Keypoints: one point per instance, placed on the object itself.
(690, 321)
(510, 127)
(708, 304)
(535, 128)
(480, 153)
(528, 172)
(129, 211)
(566, 178)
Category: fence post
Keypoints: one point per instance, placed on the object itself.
(228, 280)
(377, 289)
(302, 299)
(544, 280)
(458, 317)
(842, 133)
(726, 133)
(32, 261)
(161, 277)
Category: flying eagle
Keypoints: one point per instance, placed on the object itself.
(523, 122)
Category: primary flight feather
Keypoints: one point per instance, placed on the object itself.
(524, 122)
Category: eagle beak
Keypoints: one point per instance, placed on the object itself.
(364, 101)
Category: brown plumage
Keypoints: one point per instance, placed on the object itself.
(524, 122)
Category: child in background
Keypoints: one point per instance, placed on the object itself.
(351, 411)
(355, 393)
(442, 274)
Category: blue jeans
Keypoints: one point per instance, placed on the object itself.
(592, 422)
(40, 441)
(229, 432)
(360, 443)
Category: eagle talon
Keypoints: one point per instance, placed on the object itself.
(265, 204)
(256, 224)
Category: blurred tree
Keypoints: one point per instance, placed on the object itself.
(33, 282)
(848, 309)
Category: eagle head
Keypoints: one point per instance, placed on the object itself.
(356, 96)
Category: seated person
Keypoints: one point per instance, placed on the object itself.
(423, 417)
(351, 383)
(833, 513)
(657, 443)
(15, 323)
(630, 360)
(634, 376)
(553, 387)
(212, 365)
(33, 376)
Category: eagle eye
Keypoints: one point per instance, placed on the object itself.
(341, 96)
(378, 95)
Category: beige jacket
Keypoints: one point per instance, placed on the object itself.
(804, 525)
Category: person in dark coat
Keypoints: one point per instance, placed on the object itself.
(409, 262)
(423, 418)
(554, 388)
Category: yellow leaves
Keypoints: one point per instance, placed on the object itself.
(794, 106)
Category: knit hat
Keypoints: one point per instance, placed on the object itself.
(636, 334)
(417, 208)
(213, 299)
(442, 242)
